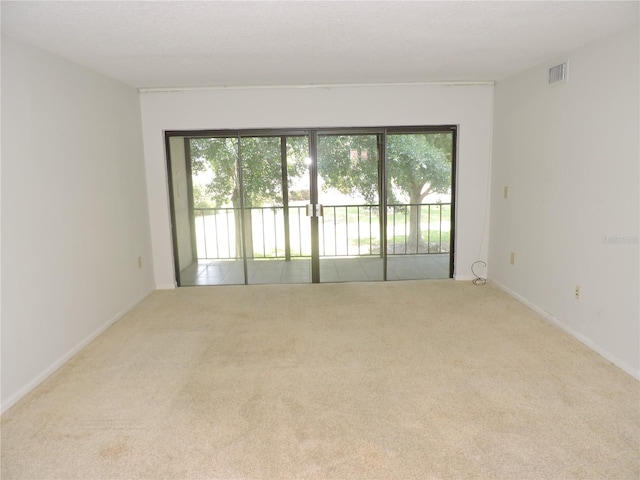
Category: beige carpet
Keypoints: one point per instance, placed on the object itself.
(424, 379)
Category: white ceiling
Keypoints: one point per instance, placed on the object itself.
(215, 43)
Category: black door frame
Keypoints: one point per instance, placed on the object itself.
(312, 134)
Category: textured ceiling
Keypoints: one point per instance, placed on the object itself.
(193, 44)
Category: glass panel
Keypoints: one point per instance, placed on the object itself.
(298, 229)
(216, 207)
(274, 242)
(419, 169)
(214, 229)
(348, 190)
(185, 256)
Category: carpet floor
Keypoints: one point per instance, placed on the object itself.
(398, 380)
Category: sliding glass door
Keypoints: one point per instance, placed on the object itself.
(419, 173)
(275, 179)
(301, 206)
(348, 188)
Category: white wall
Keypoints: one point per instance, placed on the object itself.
(570, 157)
(469, 107)
(74, 211)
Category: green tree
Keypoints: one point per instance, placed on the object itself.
(200, 199)
(417, 165)
(349, 164)
(261, 171)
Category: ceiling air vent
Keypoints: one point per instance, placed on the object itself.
(558, 73)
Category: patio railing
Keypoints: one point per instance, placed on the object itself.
(344, 230)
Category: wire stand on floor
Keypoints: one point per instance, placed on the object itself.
(478, 280)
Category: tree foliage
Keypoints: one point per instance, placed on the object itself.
(261, 167)
(260, 159)
(349, 164)
(200, 198)
(417, 164)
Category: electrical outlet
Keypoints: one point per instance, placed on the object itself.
(577, 292)
(139, 262)
(512, 258)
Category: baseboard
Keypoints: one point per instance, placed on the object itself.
(463, 278)
(166, 286)
(13, 399)
(578, 336)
